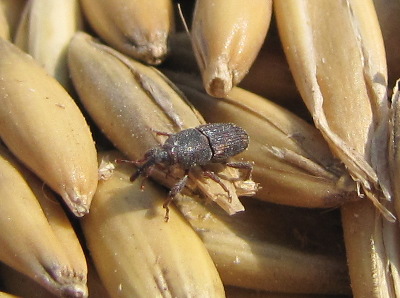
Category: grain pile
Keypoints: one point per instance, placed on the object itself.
(87, 84)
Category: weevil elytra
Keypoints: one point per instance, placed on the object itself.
(199, 146)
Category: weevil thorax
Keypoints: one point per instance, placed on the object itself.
(188, 148)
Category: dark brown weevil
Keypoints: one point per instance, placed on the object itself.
(199, 146)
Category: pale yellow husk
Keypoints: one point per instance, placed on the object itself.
(226, 37)
(340, 70)
(59, 223)
(44, 32)
(387, 11)
(138, 28)
(41, 124)
(130, 102)
(372, 246)
(6, 295)
(336, 54)
(394, 166)
(95, 285)
(10, 11)
(44, 248)
(21, 285)
(18, 284)
(271, 248)
(394, 143)
(136, 253)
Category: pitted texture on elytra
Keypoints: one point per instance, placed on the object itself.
(226, 139)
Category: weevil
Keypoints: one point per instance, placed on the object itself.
(199, 146)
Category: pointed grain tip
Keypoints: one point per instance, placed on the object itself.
(219, 87)
(79, 204)
(75, 291)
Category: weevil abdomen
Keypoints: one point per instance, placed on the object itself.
(226, 139)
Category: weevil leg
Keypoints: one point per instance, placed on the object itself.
(162, 133)
(139, 170)
(119, 160)
(176, 189)
(246, 165)
(145, 175)
(217, 179)
(135, 162)
(135, 175)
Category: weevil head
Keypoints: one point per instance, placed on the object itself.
(158, 155)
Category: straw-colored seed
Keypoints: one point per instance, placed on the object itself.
(387, 12)
(226, 37)
(126, 235)
(270, 247)
(138, 28)
(33, 241)
(10, 11)
(44, 31)
(340, 70)
(336, 54)
(41, 124)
